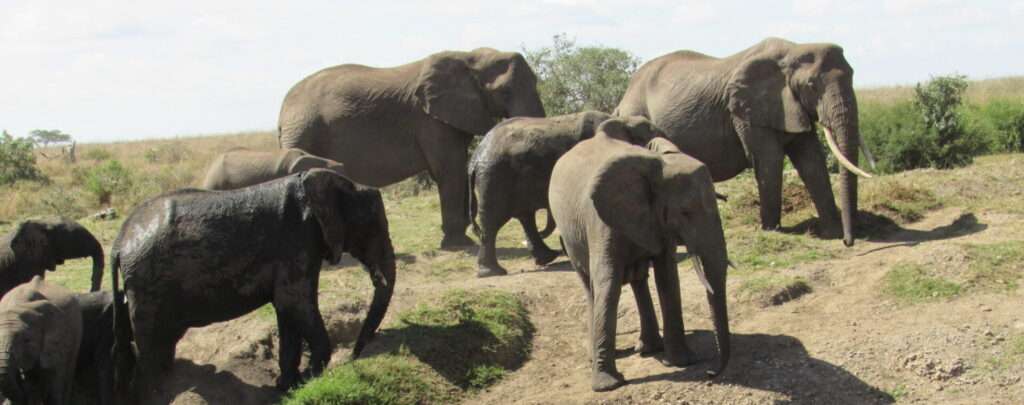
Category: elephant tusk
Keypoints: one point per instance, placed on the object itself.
(867, 154)
(839, 156)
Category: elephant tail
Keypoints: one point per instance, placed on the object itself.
(121, 353)
(473, 201)
(549, 227)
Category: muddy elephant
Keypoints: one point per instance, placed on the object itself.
(753, 109)
(621, 208)
(40, 245)
(241, 167)
(40, 331)
(510, 171)
(387, 124)
(193, 257)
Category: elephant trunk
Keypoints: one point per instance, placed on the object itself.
(97, 268)
(839, 114)
(384, 286)
(711, 261)
(10, 377)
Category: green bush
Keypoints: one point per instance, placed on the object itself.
(572, 78)
(107, 179)
(939, 102)
(17, 160)
(1000, 123)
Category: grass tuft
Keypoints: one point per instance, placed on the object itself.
(911, 283)
(384, 379)
(773, 289)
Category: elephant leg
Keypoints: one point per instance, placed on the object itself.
(650, 341)
(297, 306)
(768, 172)
(606, 284)
(487, 257)
(808, 157)
(446, 159)
(666, 277)
(540, 251)
(289, 352)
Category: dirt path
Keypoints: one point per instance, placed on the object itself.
(843, 343)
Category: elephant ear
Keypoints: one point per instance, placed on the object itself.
(760, 95)
(623, 196)
(322, 194)
(449, 91)
(31, 241)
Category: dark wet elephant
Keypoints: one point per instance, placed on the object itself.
(387, 124)
(192, 257)
(40, 245)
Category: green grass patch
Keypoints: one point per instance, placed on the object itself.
(772, 289)
(995, 266)
(384, 379)
(911, 283)
(435, 353)
(898, 392)
(902, 202)
(759, 250)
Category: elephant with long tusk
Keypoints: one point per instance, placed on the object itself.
(752, 110)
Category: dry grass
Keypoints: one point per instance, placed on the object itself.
(978, 91)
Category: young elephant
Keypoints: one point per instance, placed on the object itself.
(510, 171)
(621, 208)
(95, 365)
(241, 167)
(40, 245)
(39, 338)
(191, 258)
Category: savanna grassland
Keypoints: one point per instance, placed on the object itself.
(925, 308)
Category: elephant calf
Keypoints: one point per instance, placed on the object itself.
(510, 171)
(192, 257)
(95, 364)
(241, 167)
(40, 245)
(621, 208)
(40, 331)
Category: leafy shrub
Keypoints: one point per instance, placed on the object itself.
(108, 179)
(17, 161)
(1000, 123)
(939, 102)
(572, 78)
(97, 154)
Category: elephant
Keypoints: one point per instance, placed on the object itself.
(242, 167)
(387, 124)
(39, 338)
(40, 245)
(192, 257)
(96, 360)
(511, 169)
(754, 108)
(621, 208)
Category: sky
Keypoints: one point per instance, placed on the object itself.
(121, 70)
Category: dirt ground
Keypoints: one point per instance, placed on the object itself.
(843, 343)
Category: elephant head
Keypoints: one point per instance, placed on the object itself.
(634, 129)
(352, 219)
(664, 201)
(474, 90)
(789, 87)
(44, 244)
(21, 344)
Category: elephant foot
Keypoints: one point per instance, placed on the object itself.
(456, 242)
(606, 380)
(490, 271)
(647, 347)
(544, 257)
(285, 383)
(679, 358)
(828, 231)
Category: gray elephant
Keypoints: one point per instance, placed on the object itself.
(511, 169)
(753, 109)
(387, 124)
(620, 209)
(39, 338)
(192, 257)
(40, 245)
(242, 167)
(95, 366)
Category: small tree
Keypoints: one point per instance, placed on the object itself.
(17, 162)
(107, 179)
(939, 101)
(45, 137)
(573, 79)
